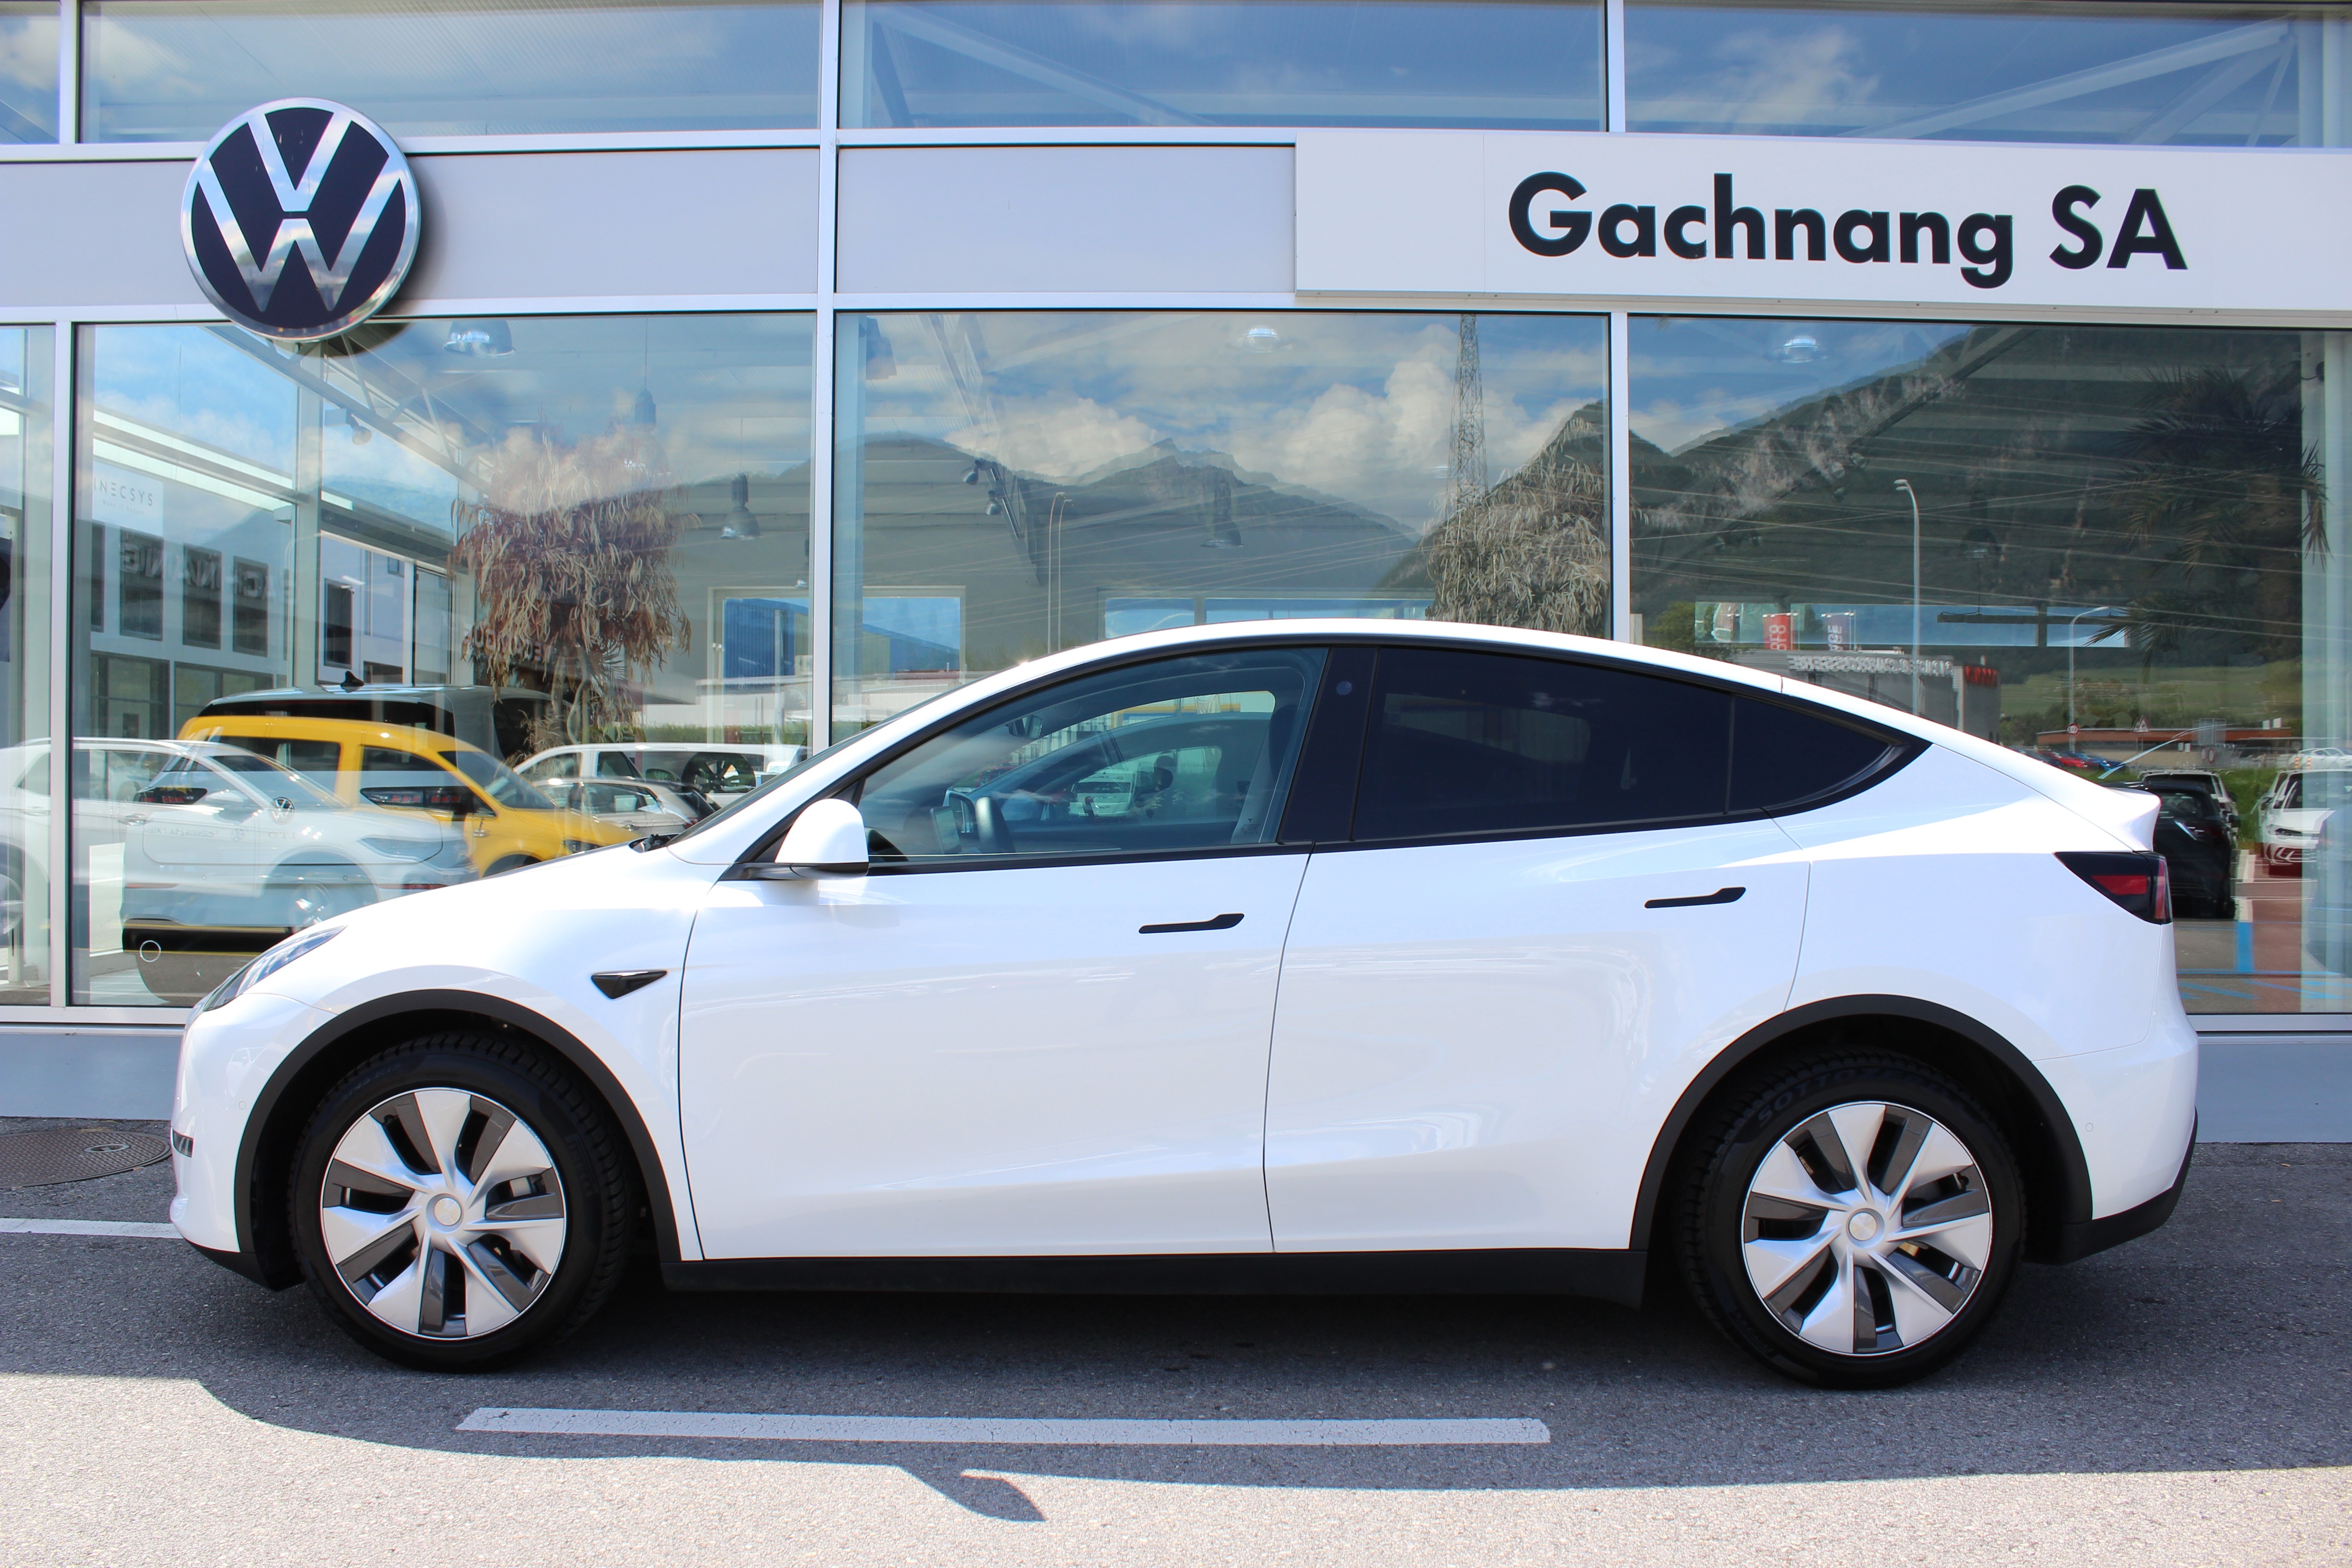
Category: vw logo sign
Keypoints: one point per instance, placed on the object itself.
(300, 219)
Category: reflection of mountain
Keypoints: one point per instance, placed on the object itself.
(1533, 550)
(2037, 455)
(1037, 561)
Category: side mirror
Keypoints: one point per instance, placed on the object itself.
(827, 839)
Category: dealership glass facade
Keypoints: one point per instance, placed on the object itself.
(1497, 63)
(2209, 75)
(1013, 483)
(603, 517)
(161, 70)
(2123, 548)
(569, 540)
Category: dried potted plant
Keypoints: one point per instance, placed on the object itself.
(568, 549)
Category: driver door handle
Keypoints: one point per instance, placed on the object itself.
(1215, 923)
(1720, 896)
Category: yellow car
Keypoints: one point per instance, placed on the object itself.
(507, 824)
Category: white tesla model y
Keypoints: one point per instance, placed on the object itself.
(1298, 956)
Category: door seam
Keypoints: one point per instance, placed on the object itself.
(1265, 1100)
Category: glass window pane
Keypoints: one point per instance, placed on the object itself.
(27, 360)
(1526, 64)
(163, 70)
(28, 70)
(1014, 483)
(1466, 743)
(1183, 754)
(2230, 76)
(1781, 758)
(494, 556)
(2128, 565)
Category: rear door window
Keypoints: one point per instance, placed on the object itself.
(1466, 743)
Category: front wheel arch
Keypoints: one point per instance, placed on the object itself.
(2057, 1178)
(285, 1102)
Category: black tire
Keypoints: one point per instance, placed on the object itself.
(511, 863)
(597, 1194)
(1715, 1228)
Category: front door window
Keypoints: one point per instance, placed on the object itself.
(1182, 754)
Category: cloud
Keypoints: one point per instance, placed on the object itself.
(1763, 76)
(1057, 437)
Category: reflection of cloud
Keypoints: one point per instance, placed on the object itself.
(1765, 78)
(28, 53)
(1357, 405)
(1347, 433)
(1057, 438)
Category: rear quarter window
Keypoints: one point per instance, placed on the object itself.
(1784, 758)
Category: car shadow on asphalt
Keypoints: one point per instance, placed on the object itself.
(2209, 1345)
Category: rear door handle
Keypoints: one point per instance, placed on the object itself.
(1215, 923)
(1720, 896)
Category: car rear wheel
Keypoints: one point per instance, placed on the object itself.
(1851, 1220)
(458, 1201)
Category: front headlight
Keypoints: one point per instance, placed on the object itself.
(266, 964)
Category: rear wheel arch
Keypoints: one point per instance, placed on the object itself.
(2057, 1179)
(275, 1125)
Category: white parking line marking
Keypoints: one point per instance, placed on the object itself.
(994, 1429)
(88, 1227)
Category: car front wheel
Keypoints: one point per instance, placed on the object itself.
(1852, 1220)
(458, 1201)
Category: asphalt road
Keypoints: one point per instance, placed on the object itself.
(2185, 1399)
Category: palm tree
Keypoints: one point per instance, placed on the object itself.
(2220, 492)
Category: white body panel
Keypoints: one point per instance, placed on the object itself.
(1943, 884)
(2135, 1110)
(985, 1062)
(1476, 1043)
(530, 938)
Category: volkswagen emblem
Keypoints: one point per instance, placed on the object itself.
(300, 219)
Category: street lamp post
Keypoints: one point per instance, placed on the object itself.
(1905, 486)
(2072, 621)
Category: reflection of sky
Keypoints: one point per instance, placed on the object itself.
(730, 396)
(29, 72)
(1825, 70)
(451, 67)
(1450, 62)
(1692, 376)
(1357, 406)
(187, 381)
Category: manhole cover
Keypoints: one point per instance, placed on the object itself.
(52, 1154)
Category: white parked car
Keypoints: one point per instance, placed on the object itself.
(2293, 810)
(202, 854)
(1310, 954)
(637, 804)
(721, 775)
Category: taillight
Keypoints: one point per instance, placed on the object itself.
(2141, 884)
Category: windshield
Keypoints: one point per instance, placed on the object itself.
(2320, 789)
(2181, 806)
(272, 780)
(501, 782)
